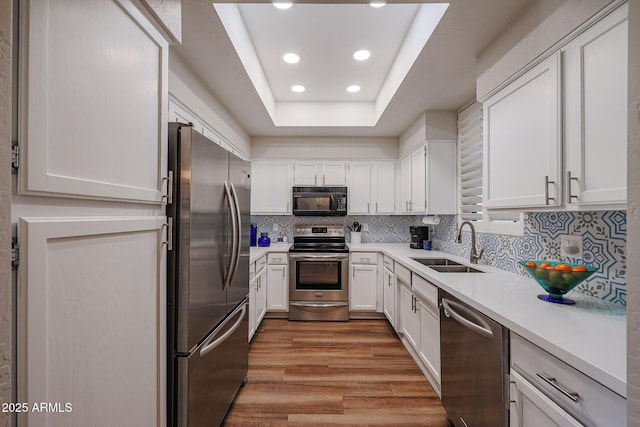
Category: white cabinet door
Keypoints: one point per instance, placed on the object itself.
(363, 287)
(530, 407)
(92, 296)
(305, 173)
(405, 184)
(418, 181)
(253, 300)
(595, 77)
(93, 101)
(441, 178)
(408, 316)
(522, 137)
(384, 187)
(334, 173)
(271, 187)
(277, 288)
(359, 188)
(429, 343)
(388, 296)
(261, 296)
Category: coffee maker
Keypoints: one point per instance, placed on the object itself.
(419, 233)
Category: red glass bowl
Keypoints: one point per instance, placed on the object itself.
(557, 283)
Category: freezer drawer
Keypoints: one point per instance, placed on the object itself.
(210, 378)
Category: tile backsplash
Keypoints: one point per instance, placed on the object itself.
(604, 241)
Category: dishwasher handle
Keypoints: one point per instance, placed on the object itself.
(483, 328)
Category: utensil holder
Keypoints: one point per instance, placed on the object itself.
(356, 237)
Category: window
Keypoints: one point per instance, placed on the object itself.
(470, 152)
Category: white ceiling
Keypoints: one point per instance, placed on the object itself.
(325, 36)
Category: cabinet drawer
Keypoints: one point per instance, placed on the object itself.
(278, 258)
(596, 405)
(403, 273)
(364, 257)
(425, 288)
(388, 262)
(261, 263)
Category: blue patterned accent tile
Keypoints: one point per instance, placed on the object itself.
(553, 224)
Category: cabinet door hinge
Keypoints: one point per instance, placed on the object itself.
(15, 252)
(15, 157)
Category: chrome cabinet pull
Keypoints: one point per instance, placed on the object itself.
(376, 207)
(169, 195)
(569, 179)
(554, 383)
(546, 190)
(169, 226)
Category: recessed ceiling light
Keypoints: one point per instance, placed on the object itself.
(298, 88)
(361, 55)
(353, 88)
(377, 3)
(291, 58)
(282, 4)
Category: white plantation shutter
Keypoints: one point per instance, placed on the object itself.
(470, 150)
(470, 162)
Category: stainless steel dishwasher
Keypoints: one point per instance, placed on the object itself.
(474, 365)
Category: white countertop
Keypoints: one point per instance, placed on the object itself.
(590, 335)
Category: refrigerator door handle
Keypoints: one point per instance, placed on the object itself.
(234, 238)
(238, 236)
(210, 346)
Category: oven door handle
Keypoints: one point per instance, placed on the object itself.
(319, 256)
(318, 305)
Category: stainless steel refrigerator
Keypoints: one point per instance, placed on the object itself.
(207, 279)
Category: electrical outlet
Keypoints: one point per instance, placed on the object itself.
(365, 227)
(571, 246)
(276, 228)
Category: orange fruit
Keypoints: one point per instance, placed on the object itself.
(530, 264)
(579, 268)
(563, 267)
(544, 265)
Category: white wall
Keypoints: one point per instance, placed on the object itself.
(429, 126)
(6, 294)
(306, 147)
(185, 87)
(633, 221)
(536, 30)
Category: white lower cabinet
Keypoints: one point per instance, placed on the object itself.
(429, 343)
(363, 281)
(409, 316)
(545, 391)
(388, 295)
(261, 296)
(277, 282)
(257, 294)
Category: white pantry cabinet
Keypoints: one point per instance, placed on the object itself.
(93, 101)
(363, 281)
(277, 282)
(595, 93)
(88, 288)
(522, 137)
(271, 187)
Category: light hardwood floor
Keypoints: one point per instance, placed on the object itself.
(333, 374)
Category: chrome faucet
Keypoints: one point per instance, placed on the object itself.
(473, 257)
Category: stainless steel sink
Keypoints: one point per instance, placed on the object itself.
(455, 269)
(436, 261)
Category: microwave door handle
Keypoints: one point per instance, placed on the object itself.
(334, 203)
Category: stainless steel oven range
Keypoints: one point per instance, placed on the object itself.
(319, 278)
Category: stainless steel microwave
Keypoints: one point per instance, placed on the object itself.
(319, 201)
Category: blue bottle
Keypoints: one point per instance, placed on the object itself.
(264, 240)
(254, 234)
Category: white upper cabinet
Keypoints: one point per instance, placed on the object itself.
(413, 181)
(305, 173)
(359, 188)
(333, 173)
(271, 187)
(522, 136)
(595, 78)
(93, 101)
(320, 173)
(383, 198)
(405, 184)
